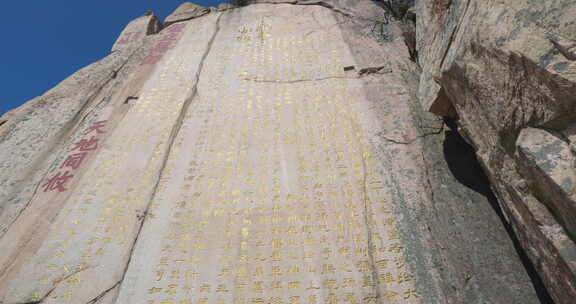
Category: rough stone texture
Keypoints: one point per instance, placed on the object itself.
(502, 67)
(136, 31)
(268, 153)
(35, 142)
(186, 11)
(28, 146)
(225, 6)
(549, 162)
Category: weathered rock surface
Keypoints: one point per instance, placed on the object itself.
(506, 69)
(269, 153)
(549, 162)
(186, 11)
(135, 32)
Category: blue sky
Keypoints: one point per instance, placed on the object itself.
(43, 42)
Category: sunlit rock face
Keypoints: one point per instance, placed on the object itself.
(506, 71)
(273, 152)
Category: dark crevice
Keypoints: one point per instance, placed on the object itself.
(129, 98)
(464, 166)
(105, 292)
(2, 122)
(239, 2)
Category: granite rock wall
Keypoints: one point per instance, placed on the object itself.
(505, 71)
(282, 151)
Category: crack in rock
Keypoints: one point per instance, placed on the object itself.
(56, 283)
(321, 4)
(296, 80)
(565, 46)
(174, 132)
(380, 70)
(374, 70)
(411, 141)
(105, 292)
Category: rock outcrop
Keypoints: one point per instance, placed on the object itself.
(186, 11)
(135, 33)
(290, 151)
(505, 71)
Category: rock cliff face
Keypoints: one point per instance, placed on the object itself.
(301, 151)
(505, 70)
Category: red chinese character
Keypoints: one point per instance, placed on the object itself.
(176, 28)
(151, 59)
(57, 182)
(74, 160)
(97, 126)
(162, 47)
(86, 144)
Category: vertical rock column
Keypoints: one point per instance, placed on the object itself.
(72, 246)
(270, 193)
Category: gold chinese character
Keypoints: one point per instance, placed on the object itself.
(400, 261)
(386, 278)
(276, 271)
(175, 274)
(276, 285)
(67, 295)
(404, 277)
(258, 287)
(390, 295)
(238, 301)
(275, 257)
(396, 248)
(239, 286)
(159, 275)
(171, 289)
(259, 271)
(191, 275)
(73, 280)
(312, 300)
(410, 293)
(276, 300)
(329, 284)
(221, 288)
(349, 282)
(276, 243)
(393, 235)
(382, 264)
(332, 299)
(163, 261)
(293, 269)
(205, 288)
(92, 240)
(328, 269)
(350, 298)
(363, 266)
(241, 272)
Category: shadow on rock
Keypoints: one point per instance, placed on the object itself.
(462, 162)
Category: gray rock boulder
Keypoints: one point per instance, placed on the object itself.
(550, 163)
(271, 153)
(502, 68)
(186, 11)
(136, 31)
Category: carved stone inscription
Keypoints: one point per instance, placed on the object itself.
(271, 193)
